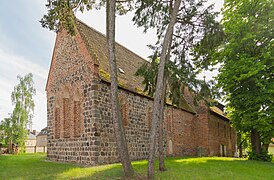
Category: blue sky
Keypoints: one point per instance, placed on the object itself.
(27, 47)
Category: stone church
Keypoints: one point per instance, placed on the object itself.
(80, 128)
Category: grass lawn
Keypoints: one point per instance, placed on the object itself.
(34, 166)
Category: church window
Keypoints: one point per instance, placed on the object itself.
(124, 114)
(57, 123)
(169, 122)
(224, 131)
(123, 110)
(66, 112)
(121, 70)
(218, 129)
(149, 118)
(77, 115)
(230, 132)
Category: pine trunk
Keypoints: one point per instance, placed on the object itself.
(161, 118)
(159, 90)
(161, 131)
(116, 114)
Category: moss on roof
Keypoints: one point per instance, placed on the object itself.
(126, 60)
(218, 111)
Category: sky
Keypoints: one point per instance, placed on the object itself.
(26, 47)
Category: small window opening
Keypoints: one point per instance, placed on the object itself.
(121, 70)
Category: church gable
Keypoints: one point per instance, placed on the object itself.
(72, 69)
(71, 62)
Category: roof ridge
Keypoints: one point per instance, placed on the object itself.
(102, 34)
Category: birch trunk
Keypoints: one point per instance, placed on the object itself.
(116, 114)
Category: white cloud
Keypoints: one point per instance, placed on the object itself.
(11, 66)
(127, 34)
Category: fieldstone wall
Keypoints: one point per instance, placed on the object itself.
(136, 115)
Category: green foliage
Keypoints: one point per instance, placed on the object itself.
(177, 79)
(247, 71)
(263, 156)
(5, 131)
(195, 35)
(61, 12)
(22, 99)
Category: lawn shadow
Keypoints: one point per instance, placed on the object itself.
(110, 171)
(182, 168)
(36, 167)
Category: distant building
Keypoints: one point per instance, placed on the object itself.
(41, 140)
(31, 142)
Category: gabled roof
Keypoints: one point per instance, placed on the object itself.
(219, 110)
(127, 61)
(43, 132)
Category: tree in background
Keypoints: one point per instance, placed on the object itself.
(247, 70)
(188, 28)
(61, 12)
(22, 99)
(15, 127)
(6, 133)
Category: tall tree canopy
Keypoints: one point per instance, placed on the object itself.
(247, 68)
(22, 99)
(196, 34)
(5, 131)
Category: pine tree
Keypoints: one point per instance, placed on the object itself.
(188, 28)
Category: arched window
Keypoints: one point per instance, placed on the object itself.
(149, 118)
(218, 129)
(170, 147)
(224, 131)
(169, 120)
(57, 121)
(124, 111)
(77, 121)
(66, 112)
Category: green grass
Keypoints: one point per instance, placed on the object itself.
(34, 166)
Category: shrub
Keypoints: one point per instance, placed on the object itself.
(263, 156)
